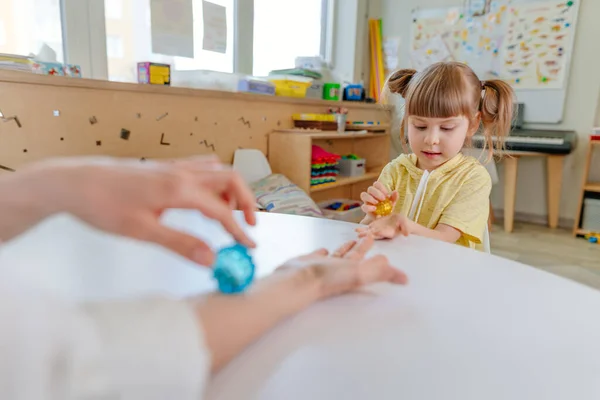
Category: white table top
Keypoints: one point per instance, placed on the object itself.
(468, 325)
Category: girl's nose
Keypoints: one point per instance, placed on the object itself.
(432, 138)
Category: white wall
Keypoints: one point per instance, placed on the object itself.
(582, 110)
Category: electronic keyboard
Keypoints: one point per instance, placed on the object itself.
(552, 142)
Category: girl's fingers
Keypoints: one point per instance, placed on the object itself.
(377, 194)
(368, 199)
(394, 197)
(381, 187)
(367, 209)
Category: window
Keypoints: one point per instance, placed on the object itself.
(26, 25)
(113, 9)
(114, 47)
(284, 30)
(134, 30)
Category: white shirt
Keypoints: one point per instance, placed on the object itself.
(50, 349)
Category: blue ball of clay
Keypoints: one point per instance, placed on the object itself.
(233, 269)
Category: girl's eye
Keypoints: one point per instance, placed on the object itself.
(447, 128)
(420, 128)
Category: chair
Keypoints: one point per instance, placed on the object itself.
(490, 166)
(251, 164)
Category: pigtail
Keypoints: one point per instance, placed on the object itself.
(398, 83)
(399, 80)
(497, 108)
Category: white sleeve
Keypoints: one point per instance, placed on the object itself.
(150, 348)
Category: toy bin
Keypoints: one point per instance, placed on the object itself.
(591, 215)
(290, 88)
(333, 209)
(352, 167)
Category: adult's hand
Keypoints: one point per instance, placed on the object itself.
(347, 269)
(127, 197)
(232, 322)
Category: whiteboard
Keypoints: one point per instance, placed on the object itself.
(542, 105)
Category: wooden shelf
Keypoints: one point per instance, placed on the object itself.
(586, 186)
(345, 181)
(592, 187)
(380, 127)
(318, 134)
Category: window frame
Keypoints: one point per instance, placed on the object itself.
(84, 35)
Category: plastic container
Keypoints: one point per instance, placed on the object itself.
(591, 215)
(350, 167)
(341, 122)
(154, 73)
(315, 91)
(290, 86)
(354, 215)
(313, 117)
(331, 91)
(252, 85)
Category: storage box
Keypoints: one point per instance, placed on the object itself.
(315, 91)
(350, 167)
(249, 85)
(290, 87)
(354, 215)
(353, 93)
(153, 73)
(331, 91)
(591, 215)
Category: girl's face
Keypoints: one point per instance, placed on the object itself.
(437, 140)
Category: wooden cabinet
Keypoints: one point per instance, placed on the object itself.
(586, 187)
(290, 154)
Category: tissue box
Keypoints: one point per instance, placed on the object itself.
(48, 68)
(153, 73)
(72, 70)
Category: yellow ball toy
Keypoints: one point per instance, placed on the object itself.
(384, 208)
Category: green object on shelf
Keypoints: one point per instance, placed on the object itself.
(351, 157)
(331, 91)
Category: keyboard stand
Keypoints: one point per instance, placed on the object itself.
(554, 176)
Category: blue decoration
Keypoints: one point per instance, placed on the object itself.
(567, 25)
(593, 239)
(233, 269)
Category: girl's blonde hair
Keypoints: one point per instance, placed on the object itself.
(449, 89)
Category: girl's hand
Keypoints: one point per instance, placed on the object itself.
(387, 227)
(127, 197)
(346, 269)
(374, 195)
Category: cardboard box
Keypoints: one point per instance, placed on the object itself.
(154, 73)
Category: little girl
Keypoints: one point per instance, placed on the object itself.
(436, 191)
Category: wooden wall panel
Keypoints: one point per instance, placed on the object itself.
(70, 117)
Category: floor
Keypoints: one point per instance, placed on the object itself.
(553, 250)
